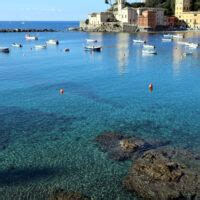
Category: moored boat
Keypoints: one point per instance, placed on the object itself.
(40, 46)
(52, 42)
(147, 46)
(178, 36)
(149, 52)
(4, 50)
(93, 48)
(17, 45)
(91, 40)
(29, 37)
(167, 39)
(168, 36)
(139, 41)
(192, 45)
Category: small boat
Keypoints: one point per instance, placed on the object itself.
(91, 40)
(16, 45)
(29, 37)
(139, 41)
(168, 36)
(4, 50)
(149, 52)
(40, 46)
(52, 42)
(178, 36)
(182, 42)
(193, 45)
(66, 50)
(93, 48)
(167, 39)
(147, 46)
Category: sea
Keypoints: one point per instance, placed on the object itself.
(47, 140)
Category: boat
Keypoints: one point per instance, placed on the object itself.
(147, 46)
(93, 48)
(139, 41)
(178, 36)
(182, 42)
(167, 39)
(66, 50)
(187, 54)
(29, 37)
(16, 45)
(168, 36)
(52, 42)
(4, 50)
(149, 52)
(192, 45)
(40, 46)
(91, 40)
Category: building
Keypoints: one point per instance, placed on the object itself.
(185, 15)
(100, 18)
(147, 20)
(171, 21)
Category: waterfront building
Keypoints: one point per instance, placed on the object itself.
(185, 15)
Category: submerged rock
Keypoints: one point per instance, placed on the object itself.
(157, 175)
(120, 147)
(63, 195)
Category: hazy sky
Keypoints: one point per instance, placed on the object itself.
(49, 9)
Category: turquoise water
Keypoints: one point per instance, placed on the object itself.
(47, 139)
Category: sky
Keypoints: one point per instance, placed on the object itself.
(49, 10)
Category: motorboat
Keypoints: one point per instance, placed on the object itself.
(168, 36)
(139, 41)
(4, 50)
(93, 48)
(193, 45)
(66, 50)
(147, 46)
(16, 45)
(149, 52)
(91, 40)
(178, 36)
(29, 37)
(167, 39)
(52, 42)
(182, 43)
(40, 46)
(187, 53)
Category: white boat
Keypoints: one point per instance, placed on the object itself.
(29, 37)
(178, 36)
(139, 41)
(40, 46)
(193, 45)
(16, 45)
(187, 54)
(147, 46)
(4, 50)
(93, 48)
(52, 42)
(149, 52)
(167, 39)
(91, 40)
(168, 36)
(182, 42)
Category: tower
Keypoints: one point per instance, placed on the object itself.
(182, 6)
(121, 4)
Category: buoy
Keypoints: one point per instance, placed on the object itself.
(62, 91)
(150, 87)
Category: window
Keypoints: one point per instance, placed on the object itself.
(195, 14)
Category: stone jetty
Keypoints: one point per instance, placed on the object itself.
(25, 30)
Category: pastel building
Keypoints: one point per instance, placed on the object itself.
(184, 14)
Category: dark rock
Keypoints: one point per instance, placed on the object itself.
(159, 176)
(121, 147)
(63, 195)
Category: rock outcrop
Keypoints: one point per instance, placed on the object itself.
(121, 148)
(160, 175)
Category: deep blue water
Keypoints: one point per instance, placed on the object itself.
(47, 139)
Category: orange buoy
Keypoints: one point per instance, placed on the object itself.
(62, 91)
(150, 87)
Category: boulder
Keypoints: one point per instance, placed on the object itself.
(160, 176)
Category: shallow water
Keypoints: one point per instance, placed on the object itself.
(47, 139)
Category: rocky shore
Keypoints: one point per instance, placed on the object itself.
(158, 171)
(25, 30)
